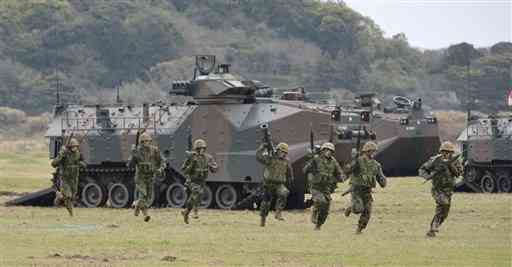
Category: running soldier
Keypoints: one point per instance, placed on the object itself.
(442, 169)
(364, 172)
(68, 163)
(325, 173)
(276, 175)
(148, 162)
(196, 168)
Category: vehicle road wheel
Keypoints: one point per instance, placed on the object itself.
(119, 196)
(93, 195)
(488, 184)
(206, 197)
(176, 195)
(504, 182)
(226, 196)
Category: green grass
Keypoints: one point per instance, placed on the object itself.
(24, 171)
(477, 232)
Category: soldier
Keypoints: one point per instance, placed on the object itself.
(148, 162)
(68, 161)
(442, 169)
(326, 172)
(364, 172)
(277, 173)
(196, 169)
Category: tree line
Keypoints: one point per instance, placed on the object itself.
(87, 48)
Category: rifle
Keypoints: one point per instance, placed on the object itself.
(139, 132)
(356, 168)
(254, 196)
(314, 165)
(267, 139)
(441, 165)
(348, 191)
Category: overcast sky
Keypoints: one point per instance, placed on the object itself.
(440, 23)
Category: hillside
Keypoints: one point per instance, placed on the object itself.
(86, 48)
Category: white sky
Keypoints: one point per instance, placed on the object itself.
(441, 23)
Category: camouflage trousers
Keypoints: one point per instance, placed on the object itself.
(270, 191)
(145, 192)
(443, 203)
(321, 205)
(361, 203)
(195, 191)
(68, 191)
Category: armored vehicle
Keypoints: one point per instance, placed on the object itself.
(487, 152)
(221, 108)
(407, 135)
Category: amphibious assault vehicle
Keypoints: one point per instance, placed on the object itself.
(487, 152)
(223, 109)
(407, 135)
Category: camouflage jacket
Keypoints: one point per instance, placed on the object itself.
(147, 161)
(370, 171)
(196, 166)
(326, 172)
(69, 163)
(443, 177)
(277, 171)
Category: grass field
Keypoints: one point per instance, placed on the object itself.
(477, 232)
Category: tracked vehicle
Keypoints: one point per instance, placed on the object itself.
(223, 109)
(487, 152)
(407, 135)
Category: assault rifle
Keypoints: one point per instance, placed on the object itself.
(267, 139)
(255, 196)
(355, 168)
(441, 165)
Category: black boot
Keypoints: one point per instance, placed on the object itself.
(185, 215)
(262, 221)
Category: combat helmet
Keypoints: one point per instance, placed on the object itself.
(73, 142)
(327, 145)
(199, 143)
(283, 147)
(447, 146)
(145, 137)
(370, 146)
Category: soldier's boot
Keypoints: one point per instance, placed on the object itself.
(185, 214)
(69, 207)
(317, 227)
(348, 211)
(146, 215)
(431, 233)
(279, 216)
(262, 221)
(136, 208)
(195, 214)
(359, 230)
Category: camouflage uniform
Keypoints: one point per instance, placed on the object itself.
(276, 175)
(443, 182)
(196, 168)
(147, 161)
(325, 173)
(362, 179)
(68, 163)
